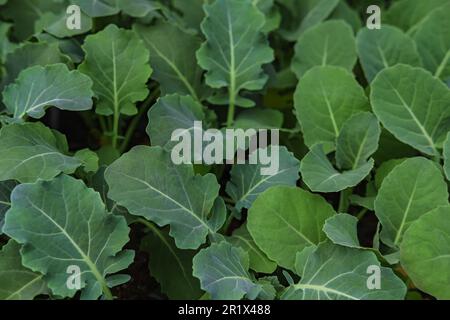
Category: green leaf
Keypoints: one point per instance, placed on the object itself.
(56, 24)
(149, 184)
(385, 168)
(31, 151)
(117, 62)
(384, 48)
(411, 189)
(350, 15)
(89, 160)
(139, 8)
(171, 266)
(273, 17)
(433, 42)
(331, 43)
(18, 282)
(258, 260)
(325, 98)
(176, 70)
(99, 8)
(235, 49)
(170, 113)
(259, 119)
(413, 106)
(357, 141)
(284, 220)
(6, 187)
(62, 223)
(39, 87)
(425, 252)
(341, 229)
(338, 273)
(302, 257)
(223, 272)
(320, 176)
(247, 182)
(5, 45)
(446, 155)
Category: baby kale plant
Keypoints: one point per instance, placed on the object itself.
(98, 96)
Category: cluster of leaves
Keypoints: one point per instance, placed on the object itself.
(364, 116)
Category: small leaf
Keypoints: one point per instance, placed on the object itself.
(411, 189)
(247, 182)
(149, 184)
(117, 62)
(285, 220)
(331, 43)
(32, 151)
(384, 48)
(425, 252)
(62, 223)
(39, 87)
(259, 119)
(413, 106)
(341, 229)
(18, 282)
(223, 272)
(89, 160)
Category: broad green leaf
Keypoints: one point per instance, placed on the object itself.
(149, 184)
(338, 273)
(62, 223)
(170, 266)
(117, 62)
(384, 48)
(259, 119)
(385, 168)
(341, 229)
(39, 87)
(31, 151)
(433, 42)
(318, 13)
(411, 189)
(425, 252)
(284, 220)
(223, 272)
(32, 54)
(99, 8)
(6, 46)
(413, 105)
(56, 24)
(235, 49)
(357, 141)
(320, 176)
(247, 182)
(258, 260)
(176, 70)
(170, 113)
(331, 43)
(17, 282)
(325, 98)
(408, 14)
(6, 187)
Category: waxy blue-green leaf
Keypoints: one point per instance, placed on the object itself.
(117, 61)
(16, 281)
(31, 151)
(320, 176)
(341, 229)
(176, 70)
(6, 187)
(170, 113)
(325, 98)
(357, 141)
(413, 105)
(331, 43)
(223, 271)
(170, 266)
(433, 42)
(333, 272)
(99, 8)
(39, 87)
(148, 183)
(247, 182)
(411, 189)
(425, 253)
(61, 224)
(235, 49)
(384, 48)
(258, 260)
(284, 220)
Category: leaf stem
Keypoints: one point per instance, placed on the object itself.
(343, 200)
(231, 111)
